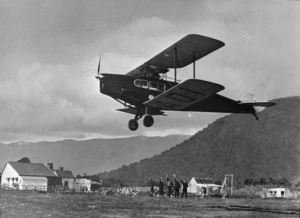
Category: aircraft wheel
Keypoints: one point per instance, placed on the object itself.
(133, 125)
(148, 120)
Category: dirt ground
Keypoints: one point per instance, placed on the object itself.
(34, 204)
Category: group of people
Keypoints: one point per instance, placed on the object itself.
(170, 187)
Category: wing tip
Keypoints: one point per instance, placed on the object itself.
(221, 43)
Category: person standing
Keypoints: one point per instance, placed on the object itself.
(169, 187)
(161, 187)
(184, 188)
(151, 183)
(176, 187)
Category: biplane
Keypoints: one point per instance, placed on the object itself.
(147, 91)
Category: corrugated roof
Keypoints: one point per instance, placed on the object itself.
(32, 169)
(204, 181)
(64, 173)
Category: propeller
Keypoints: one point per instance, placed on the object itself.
(99, 65)
(98, 76)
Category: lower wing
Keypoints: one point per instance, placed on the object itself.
(184, 95)
(219, 103)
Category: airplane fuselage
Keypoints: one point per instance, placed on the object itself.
(132, 89)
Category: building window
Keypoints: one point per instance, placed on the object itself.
(141, 83)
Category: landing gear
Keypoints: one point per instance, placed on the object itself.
(133, 124)
(148, 120)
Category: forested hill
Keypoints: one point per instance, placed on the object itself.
(235, 144)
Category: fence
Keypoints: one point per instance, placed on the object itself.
(51, 189)
(60, 189)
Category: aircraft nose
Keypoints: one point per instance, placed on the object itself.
(99, 76)
(101, 81)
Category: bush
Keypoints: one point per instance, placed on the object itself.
(248, 191)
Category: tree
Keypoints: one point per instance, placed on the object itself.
(273, 181)
(262, 181)
(249, 182)
(284, 182)
(24, 160)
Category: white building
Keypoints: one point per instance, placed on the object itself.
(26, 176)
(83, 185)
(203, 186)
(276, 193)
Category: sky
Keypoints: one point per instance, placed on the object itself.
(49, 51)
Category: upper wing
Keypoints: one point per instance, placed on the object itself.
(189, 49)
(184, 94)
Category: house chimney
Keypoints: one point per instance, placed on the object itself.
(50, 166)
(61, 168)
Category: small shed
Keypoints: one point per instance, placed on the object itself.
(276, 193)
(65, 178)
(203, 186)
(82, 184)
(26, 176)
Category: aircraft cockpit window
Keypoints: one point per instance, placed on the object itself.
(157, 86)
(141, 83)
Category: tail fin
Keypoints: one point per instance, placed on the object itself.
(249, 100)
(248, 97)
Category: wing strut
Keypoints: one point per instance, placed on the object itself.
(175, 64)
(194, 66)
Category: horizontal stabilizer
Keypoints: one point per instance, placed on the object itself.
(184, 94)
(259, 104)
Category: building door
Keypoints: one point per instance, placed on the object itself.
(66, 185)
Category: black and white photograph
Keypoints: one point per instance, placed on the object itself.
(149, 108)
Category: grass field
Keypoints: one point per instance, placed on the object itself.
(34, 204)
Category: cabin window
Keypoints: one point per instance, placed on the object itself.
(141, 83)
(157, 86)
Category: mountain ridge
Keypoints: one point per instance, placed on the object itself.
(89, 156)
